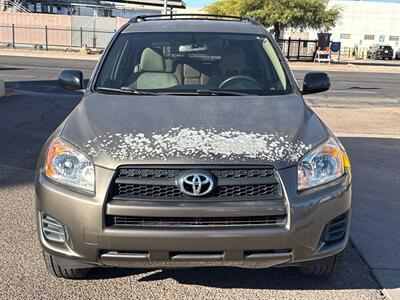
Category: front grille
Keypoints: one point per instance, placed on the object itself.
(247, 183)
(127, 221)
(247, 190)
(174, 192)
(173, 173)
(148, 190)
(147, 173)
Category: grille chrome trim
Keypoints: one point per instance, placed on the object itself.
(185, 222)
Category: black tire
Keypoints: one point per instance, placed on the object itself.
(323, 267)
(60, 271)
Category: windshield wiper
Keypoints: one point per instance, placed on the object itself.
(201, 92)
(126, 90)
(206, 92)
(221, 93)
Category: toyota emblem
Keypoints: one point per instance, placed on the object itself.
(195, 184)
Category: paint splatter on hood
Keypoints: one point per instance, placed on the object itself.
(205, 144)
(117, 130)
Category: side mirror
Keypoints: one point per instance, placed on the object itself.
(316, 82)
(71, 80)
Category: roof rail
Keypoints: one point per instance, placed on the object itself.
(142, 18)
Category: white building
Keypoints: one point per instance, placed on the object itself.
(365, 23)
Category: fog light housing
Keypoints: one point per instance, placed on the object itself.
(335, 230)
(53, 230)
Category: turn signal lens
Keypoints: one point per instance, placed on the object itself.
(346, 161)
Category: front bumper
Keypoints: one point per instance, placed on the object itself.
(385, 55)
(90, 241)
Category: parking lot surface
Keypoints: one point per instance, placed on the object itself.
(26, 120)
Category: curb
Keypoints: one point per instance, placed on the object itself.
(367, 135)
(54, 55)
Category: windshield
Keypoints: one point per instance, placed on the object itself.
(182, 63)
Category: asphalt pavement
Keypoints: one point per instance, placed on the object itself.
(357, 89)
(27, 119)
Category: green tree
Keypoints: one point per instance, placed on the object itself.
(301, 14)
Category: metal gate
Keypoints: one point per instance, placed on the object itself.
(297, 49)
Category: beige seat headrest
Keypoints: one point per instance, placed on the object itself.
(190, 72)
(151, 61)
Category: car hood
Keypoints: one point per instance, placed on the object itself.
(117, 130)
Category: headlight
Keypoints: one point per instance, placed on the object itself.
(321, 165)
(66, 165)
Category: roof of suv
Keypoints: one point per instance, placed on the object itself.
(195, 25)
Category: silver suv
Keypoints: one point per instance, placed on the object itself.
(192, 146)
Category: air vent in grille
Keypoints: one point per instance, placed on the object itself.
(172, 173)
(148, 190)
(174, 192)
(243, 173)
(147, 173)
(254, 183)
(127, 221)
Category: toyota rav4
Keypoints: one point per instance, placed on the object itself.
(192, 146)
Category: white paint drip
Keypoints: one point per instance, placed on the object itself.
(205, 144)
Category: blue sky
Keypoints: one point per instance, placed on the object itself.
(197, 3)
(201, 3)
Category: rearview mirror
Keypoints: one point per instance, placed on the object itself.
(316, 82)
(193, 48)
(71, 80)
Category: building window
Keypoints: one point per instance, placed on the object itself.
(344, 36)
(394, 38)
(369, 37)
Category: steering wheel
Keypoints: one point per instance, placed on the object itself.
(239, 77)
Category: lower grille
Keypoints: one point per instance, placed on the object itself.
(128, 221)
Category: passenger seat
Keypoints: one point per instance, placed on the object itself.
(153, 73)
(192, 76)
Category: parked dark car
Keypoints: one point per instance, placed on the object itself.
(397, 55)
(380, 52)
(193, 146)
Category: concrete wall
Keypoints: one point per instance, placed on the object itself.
(62, 31)
(37, 35)
(120, 22)
(96, 32)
